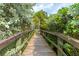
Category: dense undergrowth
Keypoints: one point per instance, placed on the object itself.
(15, 18)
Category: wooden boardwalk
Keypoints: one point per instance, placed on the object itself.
(38, 47)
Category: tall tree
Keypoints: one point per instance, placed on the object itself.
(40, 18)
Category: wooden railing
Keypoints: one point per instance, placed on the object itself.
(15, 44)
(61, 39)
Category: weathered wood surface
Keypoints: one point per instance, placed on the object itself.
(37, 46)
(72, 41)
(5, 42)
(60, 51)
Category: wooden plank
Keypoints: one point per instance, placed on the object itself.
(5, 42)
(61, 51)
(59, 43)
(72, 41)
(10, 39)
(38, 47)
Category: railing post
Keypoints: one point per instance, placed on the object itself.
(59, 43)
(18, 43)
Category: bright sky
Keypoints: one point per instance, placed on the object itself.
(50, 8)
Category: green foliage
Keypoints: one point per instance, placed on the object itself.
(68, 49)
(54, 22)
(15, 17)
(20, 17)
(40, 18)
(66, 21)
(74, 9)
(72, 28)
(63, 11)
(58, 20)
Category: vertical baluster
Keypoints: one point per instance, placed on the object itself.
(59, 43)
(19, 43)
(23, 39)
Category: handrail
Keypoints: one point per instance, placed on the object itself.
(54, 45)
(5, 42)
(72, 41)
(8, 40)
